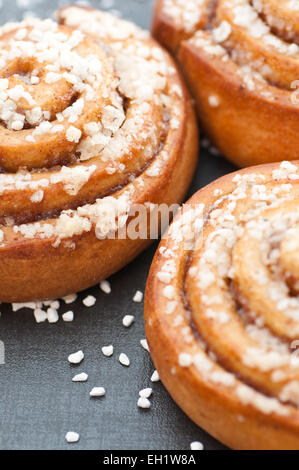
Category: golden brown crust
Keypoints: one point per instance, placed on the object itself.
(49, 264)
(219, 327)
(167, 33)
(245, 96)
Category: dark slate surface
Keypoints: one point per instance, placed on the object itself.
(38, 401)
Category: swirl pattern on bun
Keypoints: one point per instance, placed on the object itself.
(241, 61)
(94, 120)
(222, 308)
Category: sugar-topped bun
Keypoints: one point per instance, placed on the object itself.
(222, 308)
(241, 61)
(94, 120)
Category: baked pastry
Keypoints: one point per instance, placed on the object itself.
(222, 308)
(241, 61)
(92, 125)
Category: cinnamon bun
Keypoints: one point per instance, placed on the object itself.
(241, 61)
(222, 308)
(94, 120)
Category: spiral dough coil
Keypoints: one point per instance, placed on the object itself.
(241, 61)
(94, 120)
(221, 308)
